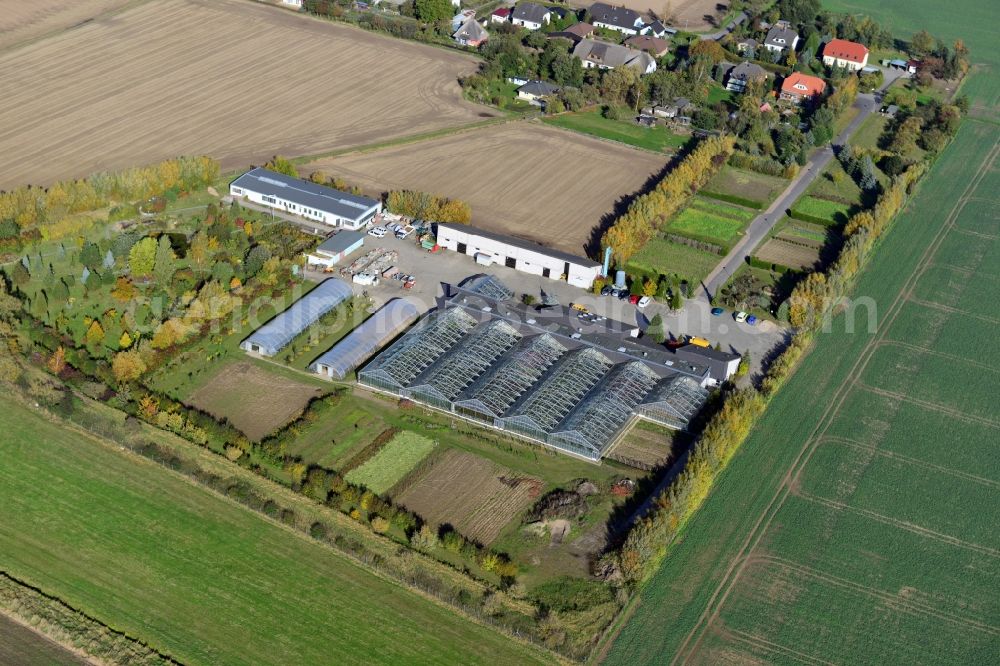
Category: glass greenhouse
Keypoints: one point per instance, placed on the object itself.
(272, 337)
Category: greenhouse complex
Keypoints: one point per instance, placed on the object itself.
(366, 339)
(551, 374)
(270, 338)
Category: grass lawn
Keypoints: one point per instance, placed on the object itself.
(834, 211)
(868, 134)
(392, 463)
(718, 94)
(592, 122)
(198, 577)
(660, 256)
(757, 187)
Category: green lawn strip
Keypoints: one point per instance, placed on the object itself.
(392, 463)
(747, 185)
(660, 256)
(705, 226)
(822, 209)
(868, 134)
(680, 591)
(145, 551)
(592, 122)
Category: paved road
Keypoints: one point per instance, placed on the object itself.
(762, 224)
(739, 18)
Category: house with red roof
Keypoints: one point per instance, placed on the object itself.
(842, 53)
(501, 15)
(798, 87)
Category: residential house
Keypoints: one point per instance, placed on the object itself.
(603, 55)
(798, 87)
(536, 92)
(575, 32)
(657, 29)
(459, 19)
(621, 19)
(842, 53)
(471, 34)
(739, 76)
(889, 111)
(531, 16)
(501, 15)
(658, 47)
(781, 37)
(679, 111)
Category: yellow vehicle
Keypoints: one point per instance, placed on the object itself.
(580, 307)
(701, 342)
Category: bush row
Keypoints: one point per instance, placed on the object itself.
(733, 199)
(697, 244)
(806, 217)
(762, 164)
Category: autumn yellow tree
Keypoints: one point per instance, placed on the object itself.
(128, 366)
(95, 333)
(57, 362)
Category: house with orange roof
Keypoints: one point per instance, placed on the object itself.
(798, 87)
(842, 53)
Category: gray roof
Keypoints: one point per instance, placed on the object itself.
(621, 17)
(539, 88)
(275, 334)
(717, 361)
(340, 241)
(366, 339)
(529, 11)
(747, 71)
(604, 54)
(523, 244)
(471, 31)
(781, 37)
(304, 193)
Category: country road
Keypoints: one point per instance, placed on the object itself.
(762, 224)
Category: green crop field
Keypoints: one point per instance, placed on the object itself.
(660, 256)
(592, 122)
(711, 222)
(857, 523)
(387, 467)
(198, 577)
(825, 209)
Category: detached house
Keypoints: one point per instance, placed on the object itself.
(798, 87)
(625, 21)
(657, 29)
(471, 34)
(531, 16)
(501, 15)
(738, 77)
(536, 92)
(603, 55)
(781, 37)
(648, 43)
(842, 53)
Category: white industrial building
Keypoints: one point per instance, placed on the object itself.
(313, 202)
(489, 248)
(335, 248)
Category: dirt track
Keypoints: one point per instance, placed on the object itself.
(521, 178)
(232, 79)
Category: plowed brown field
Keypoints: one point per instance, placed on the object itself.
(21, 22)
(529, 180)
(235, 80)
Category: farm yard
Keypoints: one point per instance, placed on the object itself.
(476, 496)
(85, 100)
(855, 524)
(255, 400)
(150, 551)
(522, 178)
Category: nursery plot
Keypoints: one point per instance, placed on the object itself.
(783, 253)
(394, 461)
(476, 496)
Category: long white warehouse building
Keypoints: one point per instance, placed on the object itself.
(305, 199)
(490, 248)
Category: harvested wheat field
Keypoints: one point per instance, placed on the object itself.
(239, 81)
(21, 22)
(526, 179)
(254, 400)
(474, 495)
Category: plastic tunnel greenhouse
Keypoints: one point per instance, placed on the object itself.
(270, 338)
(348, 354)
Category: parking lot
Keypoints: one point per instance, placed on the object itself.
(431, 270)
